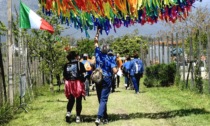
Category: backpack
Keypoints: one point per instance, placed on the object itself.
(124, 69)
(97, 76)
(87, 66)
(138, 67)
(72, 71)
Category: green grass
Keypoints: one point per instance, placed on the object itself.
(152, 107)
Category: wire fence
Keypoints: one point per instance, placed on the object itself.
(161, 49)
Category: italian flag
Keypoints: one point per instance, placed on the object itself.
(30, 20)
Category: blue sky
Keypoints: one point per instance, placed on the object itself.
(146, 29)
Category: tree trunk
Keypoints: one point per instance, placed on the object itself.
(2, 80)
(43, 78)
(51, 82)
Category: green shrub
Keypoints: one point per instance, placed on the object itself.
(178, 81)
(5, 114)
(148, 82)
(171, 72)
(41, 91)
(160, 75)
(198, 79)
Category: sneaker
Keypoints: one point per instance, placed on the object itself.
(77, 119)
(105, 121)
(68, 114)
(98, 121)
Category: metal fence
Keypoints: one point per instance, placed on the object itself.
(171, 48)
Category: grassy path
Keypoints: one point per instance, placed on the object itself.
(152, 107)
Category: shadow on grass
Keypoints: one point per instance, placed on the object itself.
(92, 95)
(142, 92)
(160, 115)
(116, 91)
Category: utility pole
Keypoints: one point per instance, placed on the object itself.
(9, 44)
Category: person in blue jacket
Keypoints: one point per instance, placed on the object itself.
(126, 72)
(109, 67)
(136, 71)
(88, 68)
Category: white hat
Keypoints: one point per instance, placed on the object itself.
(85, 54)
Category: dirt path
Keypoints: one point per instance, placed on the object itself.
(136, 109)
(125, 108)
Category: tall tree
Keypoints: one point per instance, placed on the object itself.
(2, 77)
(49, 48)
(128, 44)
(85, 46)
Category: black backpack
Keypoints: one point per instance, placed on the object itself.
(72, 70)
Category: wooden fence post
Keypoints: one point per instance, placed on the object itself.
(183, 57)
(9, 44)
(208, 54)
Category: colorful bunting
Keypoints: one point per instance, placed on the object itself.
(86, 14)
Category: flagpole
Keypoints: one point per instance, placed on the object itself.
(9, 44)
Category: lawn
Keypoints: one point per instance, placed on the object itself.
(152, 107)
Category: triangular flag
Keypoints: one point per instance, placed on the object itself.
(30, 20)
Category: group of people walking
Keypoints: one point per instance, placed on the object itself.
(77, 78)
(133, 72)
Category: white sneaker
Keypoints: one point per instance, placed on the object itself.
(77, 119)
(105, 121)
(68, 114)
(98, 121)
